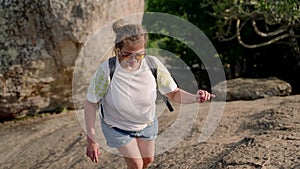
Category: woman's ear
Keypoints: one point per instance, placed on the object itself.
(118, 51)
(118, 54)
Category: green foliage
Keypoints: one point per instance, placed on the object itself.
(254, 38)
(257, 24)
(194, 12)
(284, 12)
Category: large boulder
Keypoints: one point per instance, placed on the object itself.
(250, 89)
(40, 41)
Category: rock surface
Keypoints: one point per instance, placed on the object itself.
(262, 133)
(250, 89)
(40, 42)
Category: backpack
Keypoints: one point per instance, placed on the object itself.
(152, 65)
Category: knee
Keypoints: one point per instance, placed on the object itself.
(147, 161)
(134, 163)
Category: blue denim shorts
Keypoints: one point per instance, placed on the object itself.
(116, 137)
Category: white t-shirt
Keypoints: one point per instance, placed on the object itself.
(129, 99)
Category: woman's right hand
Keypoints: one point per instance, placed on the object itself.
(93, 151)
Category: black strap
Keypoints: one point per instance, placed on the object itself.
(102, 114)
(153, 69)
(112, 66)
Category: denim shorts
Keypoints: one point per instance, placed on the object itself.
(116, 137)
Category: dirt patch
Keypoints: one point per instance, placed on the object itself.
(262, 133)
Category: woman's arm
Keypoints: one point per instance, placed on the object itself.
(90, 116)
(92, 150)
(184, 97)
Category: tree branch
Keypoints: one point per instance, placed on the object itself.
(238, 34)
(257, 31)
(225, 36)
(223, 39)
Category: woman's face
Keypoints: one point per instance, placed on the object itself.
(131, 55)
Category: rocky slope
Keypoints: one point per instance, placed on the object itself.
(263, 133)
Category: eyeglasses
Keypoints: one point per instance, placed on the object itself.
(137, 56)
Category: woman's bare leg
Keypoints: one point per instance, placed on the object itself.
(147, 150)
(132, 155)
(138, 153)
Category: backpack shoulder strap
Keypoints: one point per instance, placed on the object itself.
(112, 66)
(151, 63)
(152, 66)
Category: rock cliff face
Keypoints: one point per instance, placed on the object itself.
(40, 41)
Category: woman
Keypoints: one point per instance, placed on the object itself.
(128, 119)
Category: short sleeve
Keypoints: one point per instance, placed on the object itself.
(98, 86)
(165, 81)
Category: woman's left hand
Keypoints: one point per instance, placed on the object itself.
(202, 96)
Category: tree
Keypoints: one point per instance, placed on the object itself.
(271, 20)
(254, 38)
(194, 12)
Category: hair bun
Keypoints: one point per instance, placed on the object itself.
(117, 25)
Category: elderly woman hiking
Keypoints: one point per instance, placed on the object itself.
(125, 88)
